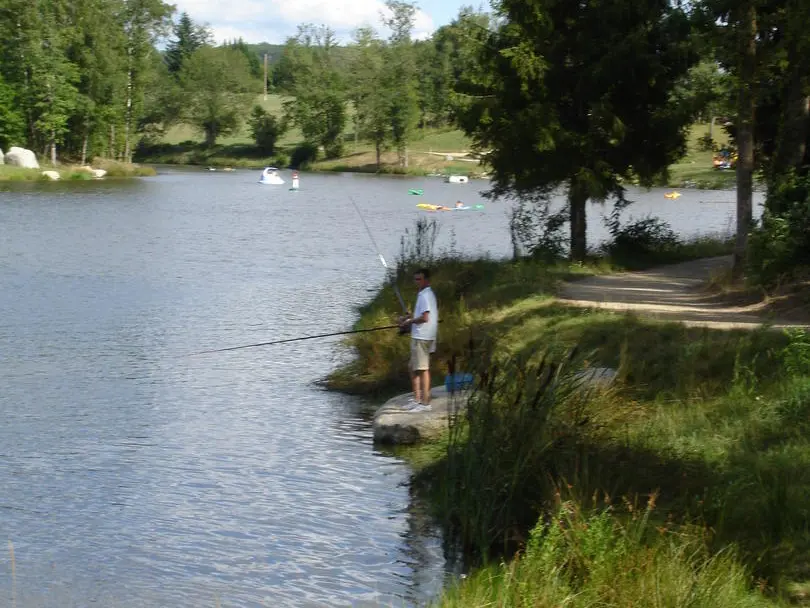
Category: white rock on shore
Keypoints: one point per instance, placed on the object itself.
(393, 424)
(20, 157)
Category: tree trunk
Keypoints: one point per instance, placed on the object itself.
(128, 118)
(84, 149)
(711, 128)
(745, 133)
(111, 154)
(792, 140)
(577, 201)
(53, 147)
(378, 148)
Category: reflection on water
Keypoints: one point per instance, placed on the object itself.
(136, 475)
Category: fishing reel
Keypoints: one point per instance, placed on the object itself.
(404, 330)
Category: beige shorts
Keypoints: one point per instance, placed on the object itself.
(420, 355)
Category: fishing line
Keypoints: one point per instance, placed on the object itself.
(380, 255)
(337, 333)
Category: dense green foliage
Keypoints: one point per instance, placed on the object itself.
(578, 95)
(265, 129)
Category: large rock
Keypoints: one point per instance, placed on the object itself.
(394, 424)
(51, 175)
(20, 157)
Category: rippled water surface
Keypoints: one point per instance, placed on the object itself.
(133, 474)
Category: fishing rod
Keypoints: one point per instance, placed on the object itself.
(337, 333)
(380, 255)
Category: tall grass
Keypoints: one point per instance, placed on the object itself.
(495, 477)
(737, 461)
(585, 559)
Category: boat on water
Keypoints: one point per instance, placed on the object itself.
(462, 207)
(270, 177)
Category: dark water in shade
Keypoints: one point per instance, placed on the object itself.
(134, 475)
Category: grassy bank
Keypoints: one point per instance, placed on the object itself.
(433, 151)
(710, 426)
(9, 173)
(715, 425)
(695, 169)
(581, 559)
(486, 297)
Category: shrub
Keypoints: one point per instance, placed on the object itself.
(538, 231)
(706, 143)
(639, 241)
(303, 155)
(333, 149)
(779, 248)
(281, 160)
(266, 130)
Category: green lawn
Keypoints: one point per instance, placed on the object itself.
(694, 170)
(273, 104)
(443, 140)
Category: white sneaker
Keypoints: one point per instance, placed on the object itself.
(410, 404)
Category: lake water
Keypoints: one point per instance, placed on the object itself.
(133, 474)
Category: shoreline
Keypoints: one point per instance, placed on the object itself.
(672, 426)
(720, 182)
(74, 172)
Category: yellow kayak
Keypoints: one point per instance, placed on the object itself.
(428, 207)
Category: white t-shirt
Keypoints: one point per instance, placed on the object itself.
(426, 301)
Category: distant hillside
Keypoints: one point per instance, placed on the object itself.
(273, 51)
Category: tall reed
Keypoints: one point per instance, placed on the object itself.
(496, 475)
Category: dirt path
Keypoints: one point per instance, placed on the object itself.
(672, 293)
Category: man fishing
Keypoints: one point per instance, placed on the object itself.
(423, 326)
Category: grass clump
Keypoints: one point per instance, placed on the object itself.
(583, 558)
(116, 168)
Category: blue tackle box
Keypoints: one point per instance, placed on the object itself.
(458, 381)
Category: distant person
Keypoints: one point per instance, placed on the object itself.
(423, 327)
(459, 204)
